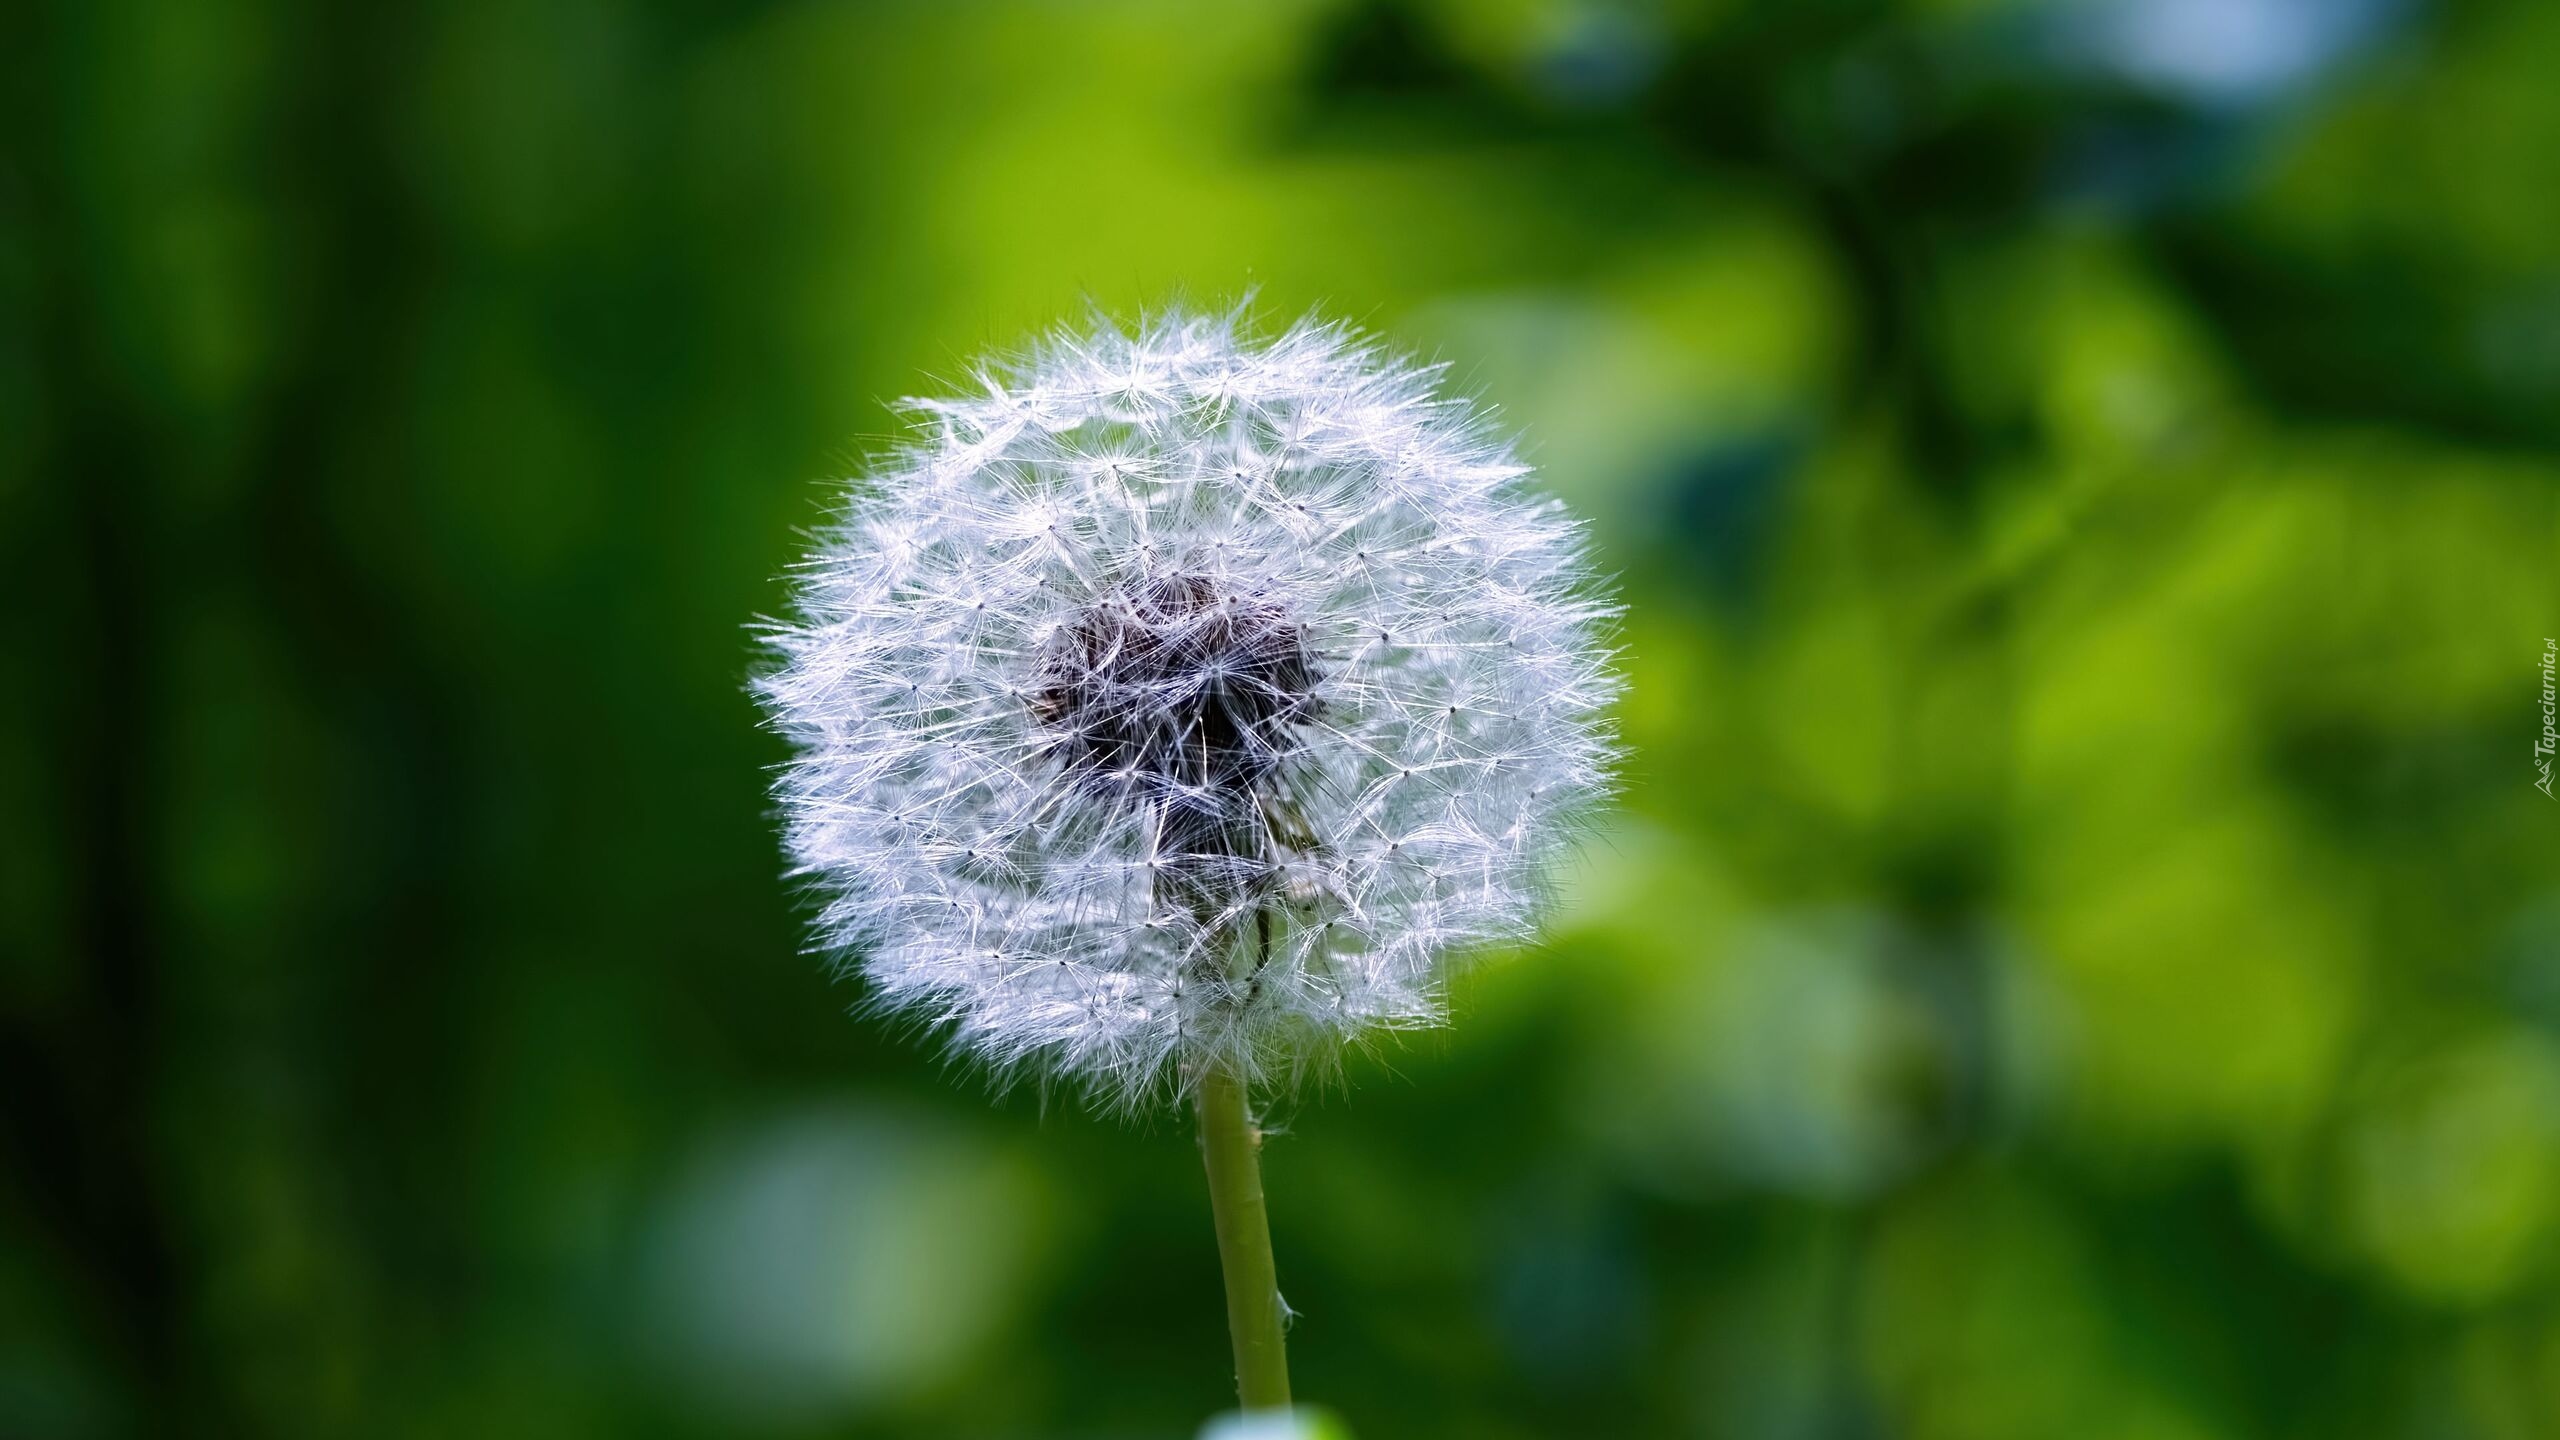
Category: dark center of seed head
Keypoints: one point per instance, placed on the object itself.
(1180, 696)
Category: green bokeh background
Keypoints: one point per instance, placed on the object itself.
(2079, 955)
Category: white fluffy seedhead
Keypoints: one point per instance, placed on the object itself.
(1183, 698)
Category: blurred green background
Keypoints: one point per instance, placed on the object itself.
(2080, 954)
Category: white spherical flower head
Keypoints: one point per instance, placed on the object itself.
(1183, 699)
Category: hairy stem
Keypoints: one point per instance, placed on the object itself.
(1231, 1147)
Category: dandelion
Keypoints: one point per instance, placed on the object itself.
(1180, 707)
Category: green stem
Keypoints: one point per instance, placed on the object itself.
(1232, 1149)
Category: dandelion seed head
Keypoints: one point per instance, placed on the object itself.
(1182, 697)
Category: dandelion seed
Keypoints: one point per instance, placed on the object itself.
(1167, 630)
